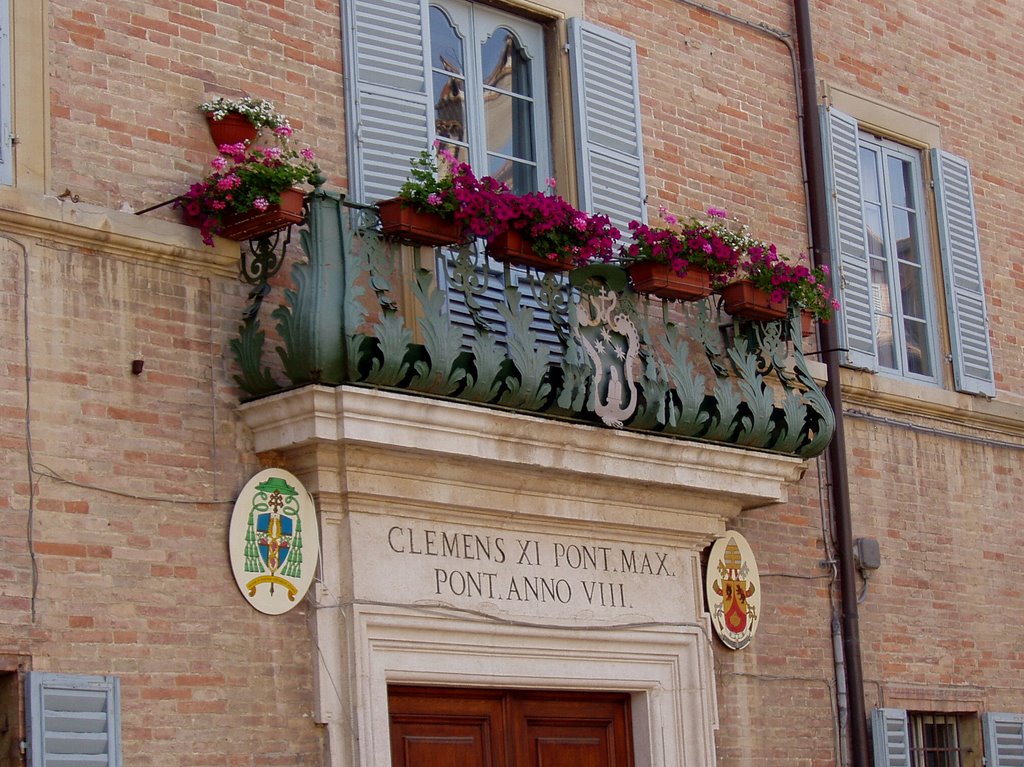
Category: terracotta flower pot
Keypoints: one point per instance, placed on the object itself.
(744, 299)
(514, 248)
(231, 129)
(806, 324)
(402, 222)
(663, 281)
(252, 224)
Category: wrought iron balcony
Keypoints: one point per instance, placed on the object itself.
(582, 347)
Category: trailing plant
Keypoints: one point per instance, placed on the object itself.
(244, 180)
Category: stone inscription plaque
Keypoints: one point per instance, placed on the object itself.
(516, 572)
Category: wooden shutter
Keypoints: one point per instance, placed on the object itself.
(609, 147)
(890, 735)
(73, 721)
(6, 125)
(1004, 739)
(961, 266)
(846, 233)
(387, 93)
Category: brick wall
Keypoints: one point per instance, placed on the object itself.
(137, 473)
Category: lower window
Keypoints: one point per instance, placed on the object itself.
(935, 740)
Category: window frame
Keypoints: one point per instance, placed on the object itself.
(885, 148)
(470, 21)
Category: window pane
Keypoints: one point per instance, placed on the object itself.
(520, 177)
(449, 82)
(901, 182)
(880, 296)
(509, 123)
(869, 175)
(873, 230)
(919, 358)
(503, 64)
(445, 45)
(912, 291)
(903, 232)
(450, 107)
(885, 343)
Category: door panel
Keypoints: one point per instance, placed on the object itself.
(431, 727)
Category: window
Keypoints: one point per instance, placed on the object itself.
(935, 740)
(930, 739)
(477, 79)
(73, 720)
(891, 192)
(489, 103)
(880, 241)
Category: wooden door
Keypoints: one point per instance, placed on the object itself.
(448, 727)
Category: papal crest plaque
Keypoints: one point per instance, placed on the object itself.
(273, 541)
(733, 590)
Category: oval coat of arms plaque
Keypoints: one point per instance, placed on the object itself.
(273, 541)
(733, 590)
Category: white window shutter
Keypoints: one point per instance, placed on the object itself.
(387, 92)
(961, 266)
(606, 106)
(6, 122)
(852, 277)
(1004, 739)
(73, 721)
(890, 735)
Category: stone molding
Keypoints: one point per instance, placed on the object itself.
(123, 235)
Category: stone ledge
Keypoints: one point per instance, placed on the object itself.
(124, 235)
(521, 454)
(1002, 415)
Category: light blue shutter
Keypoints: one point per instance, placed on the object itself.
(847, 240)
(606, 104)
(961, 265)
(6, 126)
(387, 92)
(890, 736)
(1004, 739)
(73, 721)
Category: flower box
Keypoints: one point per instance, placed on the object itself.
(402, 222)
(231, 129)
(661, 280)
(512, 247)
(744, 299)
(252, 224)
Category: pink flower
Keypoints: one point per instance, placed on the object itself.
(283, 130)
(272, 152)
(717, 213)
(433, 199)
(261, 204)
(307, 154)
(551, 183)
(219, 163)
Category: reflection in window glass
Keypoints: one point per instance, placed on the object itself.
(449, 81)
(508, 111)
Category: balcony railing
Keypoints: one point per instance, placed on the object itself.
(582, 347)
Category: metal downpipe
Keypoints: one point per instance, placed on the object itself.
(822, 255)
